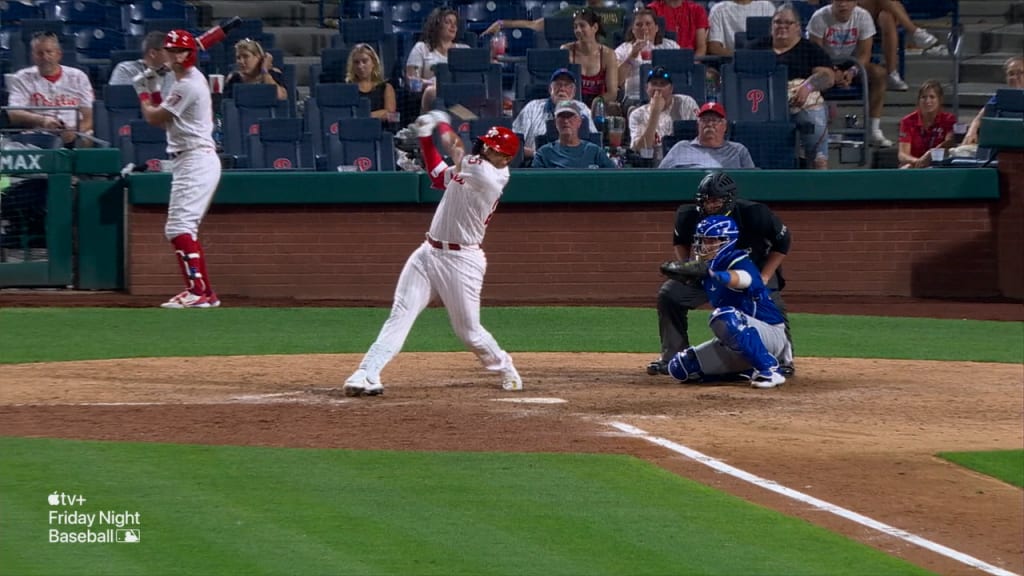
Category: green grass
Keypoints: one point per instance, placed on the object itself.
(53, 334)
(1006, 465)
(244, 510)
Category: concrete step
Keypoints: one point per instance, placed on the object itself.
(987, 68)
(990, 10)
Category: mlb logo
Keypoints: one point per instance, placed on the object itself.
(133, 535)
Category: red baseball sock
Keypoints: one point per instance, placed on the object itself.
(192, 263)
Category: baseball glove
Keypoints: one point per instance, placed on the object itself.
(688, 272)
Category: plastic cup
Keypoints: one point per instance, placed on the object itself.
(615, 138)
(938, 154)
(216, 83)
(645, 52)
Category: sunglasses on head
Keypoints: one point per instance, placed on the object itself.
(662, 75)
(44, 34)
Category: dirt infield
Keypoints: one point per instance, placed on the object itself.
(860, 434)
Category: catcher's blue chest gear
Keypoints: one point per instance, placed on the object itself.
(754, 300)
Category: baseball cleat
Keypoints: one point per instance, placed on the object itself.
(360, 384)
(767, 379)
(657, 367)
(189, 299)
(510, 380)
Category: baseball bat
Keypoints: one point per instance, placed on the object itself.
(217, 34)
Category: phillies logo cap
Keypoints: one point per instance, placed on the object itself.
(712, 107)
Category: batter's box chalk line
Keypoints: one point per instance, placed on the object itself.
(531, 400)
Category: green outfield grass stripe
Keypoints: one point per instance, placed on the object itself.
(54, 334)
(1006, 465)
(244, 510)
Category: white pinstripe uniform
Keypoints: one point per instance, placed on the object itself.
(449, 264)
(195, 167)
(69, 90)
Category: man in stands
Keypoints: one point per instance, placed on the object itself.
(532, 120)
(48, 84)
(709, 149)
(152, 59)
(569, 151)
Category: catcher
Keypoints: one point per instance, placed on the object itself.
(761, 233)
(749, 329)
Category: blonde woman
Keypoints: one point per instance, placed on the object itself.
(364, 69)
(255, 66)
(598, 66)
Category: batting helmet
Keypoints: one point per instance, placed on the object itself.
(716, 185)
(502, 140)
(183, 40)
(715, 235)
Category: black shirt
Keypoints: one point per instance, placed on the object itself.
(800, 60)
(761, 231)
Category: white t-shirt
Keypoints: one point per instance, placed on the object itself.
(683, 108)
(841, 38)
(633, 80)
(469, 199)
(728, 18)
(71, 89)
(191, 125)
(425, 59)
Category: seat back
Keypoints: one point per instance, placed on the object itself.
(113, 115)
(377, 33)
(83, 13)
(534, 76)
(558, 30)
(329, 104)
(758, 27)
(1009, 103)
(470, 79)
(688, 77)
(148, 145)
(477, 15)
(281, 144)
(772, 145)
(44, 140)
(755, 87)
(363, 143)
(97, 43)
(242, 112)
(332, 66)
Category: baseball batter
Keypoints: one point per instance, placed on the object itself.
(449, 263)
(749, 328)
(187, 115)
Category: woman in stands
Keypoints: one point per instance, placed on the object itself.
(365, 70)
(255, 66)
(925, 129)
(643, 37)
(439, 33)
(599, 69)
(1014, 69)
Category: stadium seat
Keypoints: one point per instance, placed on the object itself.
(96, 43)
(754, 87)
(534, 76)
(362, 143)
(332, 67)
(83, 13)
(758, 27)
(147, 145)
(282, 144)
(479, 14)
(558, 31)
(772, 145)
(135, 15)
(241, 115)
(687, 77)
(469, 78)
(39, 139)
(113, 115)
(329, 104)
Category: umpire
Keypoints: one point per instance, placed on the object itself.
(761, 232)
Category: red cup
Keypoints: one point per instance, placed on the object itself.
(645, 54)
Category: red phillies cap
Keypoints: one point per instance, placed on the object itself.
(712, 107)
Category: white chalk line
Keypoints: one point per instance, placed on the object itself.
(296, 397)
(812, 501)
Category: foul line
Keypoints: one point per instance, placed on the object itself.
(812, 501)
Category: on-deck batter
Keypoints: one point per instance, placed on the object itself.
(187, 115)
(450, 263)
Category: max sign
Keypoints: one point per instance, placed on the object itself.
(20, 162)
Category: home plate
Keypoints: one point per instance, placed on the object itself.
(531, 400)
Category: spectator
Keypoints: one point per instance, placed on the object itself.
(925, 129)
(1014, 68)
(888, 14)
(687, 20)
(439, 33)
(532, 120)
(152, 59)
(569, 151)
(728, 18)
(649, 123)
(643, 37)
(50, 84)
(365, 70)
(846, 30)
(612, 20)
(599, 70)
(709, 149)
(254, 66)
(809, 73)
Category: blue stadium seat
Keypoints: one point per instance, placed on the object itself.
(112, 116)
(534, 76)
(470, 67)
(758, 27)
(39, 139)
(13, 13)
(376, 33)
(558, 30)
(772, 145)
(241, 115)
(97, 43)
(282, 144)
(329, 104)
(363, 143)
(134, 16)
(332, 67)
(409, 14)
(687, 77)
(147, 145)
(84, 13)
(480, 14)
(754, 87)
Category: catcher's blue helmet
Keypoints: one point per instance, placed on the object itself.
(715, 235)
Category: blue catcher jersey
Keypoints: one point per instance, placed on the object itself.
(754, 300)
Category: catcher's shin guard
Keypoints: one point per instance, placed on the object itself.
(685, 367)
(730, 326)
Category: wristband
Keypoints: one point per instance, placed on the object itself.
(721, 277)
(144, 97)
(155, 98)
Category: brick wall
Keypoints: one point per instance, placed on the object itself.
(1009, 224)
(577, 253)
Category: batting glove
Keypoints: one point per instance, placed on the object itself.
(425, 125)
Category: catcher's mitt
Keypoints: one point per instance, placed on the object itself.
(688, 272)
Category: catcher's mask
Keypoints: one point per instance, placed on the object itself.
(183, 41)
(715, 235)
(715, 186)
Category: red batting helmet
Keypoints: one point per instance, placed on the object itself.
(182, 40)
(501, 140)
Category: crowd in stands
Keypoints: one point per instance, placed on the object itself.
(654, 74)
